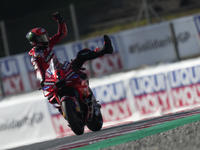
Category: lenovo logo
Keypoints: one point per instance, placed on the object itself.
(49, 56)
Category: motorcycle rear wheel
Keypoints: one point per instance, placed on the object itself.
(75, 123)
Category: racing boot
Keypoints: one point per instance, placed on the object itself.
(87, 54)
(107, 47)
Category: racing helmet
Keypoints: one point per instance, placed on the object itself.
(38, 37)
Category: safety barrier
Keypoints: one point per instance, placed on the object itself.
(132, 48)
(130, 96)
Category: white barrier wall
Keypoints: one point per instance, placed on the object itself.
(124, 97)
(144, 45)
(131, 96)
(133, 48)
(18, 74)
(24, 119)
(153, 44)
(147, 93)
(187, 36)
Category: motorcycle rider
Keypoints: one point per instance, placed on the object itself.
(42, 51)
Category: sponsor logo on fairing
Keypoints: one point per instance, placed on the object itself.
(46, 87)
(65, 65)
(49, 72)
(75, 76)
(49, 56)
(49, 83)
(70, 75)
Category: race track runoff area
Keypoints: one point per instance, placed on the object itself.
(137, 105)
(141, 134)
(126, 97)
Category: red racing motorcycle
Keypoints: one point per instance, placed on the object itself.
(69, 91)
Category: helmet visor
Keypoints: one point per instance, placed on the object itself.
(43, 38)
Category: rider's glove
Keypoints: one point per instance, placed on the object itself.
(58, 18)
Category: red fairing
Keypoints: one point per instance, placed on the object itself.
(40, 59)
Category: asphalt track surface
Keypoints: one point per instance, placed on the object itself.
(90, 138)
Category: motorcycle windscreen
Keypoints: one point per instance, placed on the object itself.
(52, 66)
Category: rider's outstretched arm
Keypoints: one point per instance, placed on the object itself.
(62, 30)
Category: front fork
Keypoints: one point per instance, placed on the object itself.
(90, 105)
(96, 106)
(77, 106)
(93, 107)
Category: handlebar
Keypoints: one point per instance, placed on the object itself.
(77, 69)
(82, 69)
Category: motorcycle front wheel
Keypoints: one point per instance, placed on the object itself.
(70, 114)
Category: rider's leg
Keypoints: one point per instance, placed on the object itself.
(107, 47)
(87, 54)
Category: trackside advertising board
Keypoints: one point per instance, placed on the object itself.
(102, 65)
(18, 74)
(24, 119)
(130, 96)
(132, 49)
(186, 32)
(184, 85)
(155, 91)
(154, 44)
(124, 97)
(143, 45)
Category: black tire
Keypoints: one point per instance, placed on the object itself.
(95, 123)
(75, 123)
